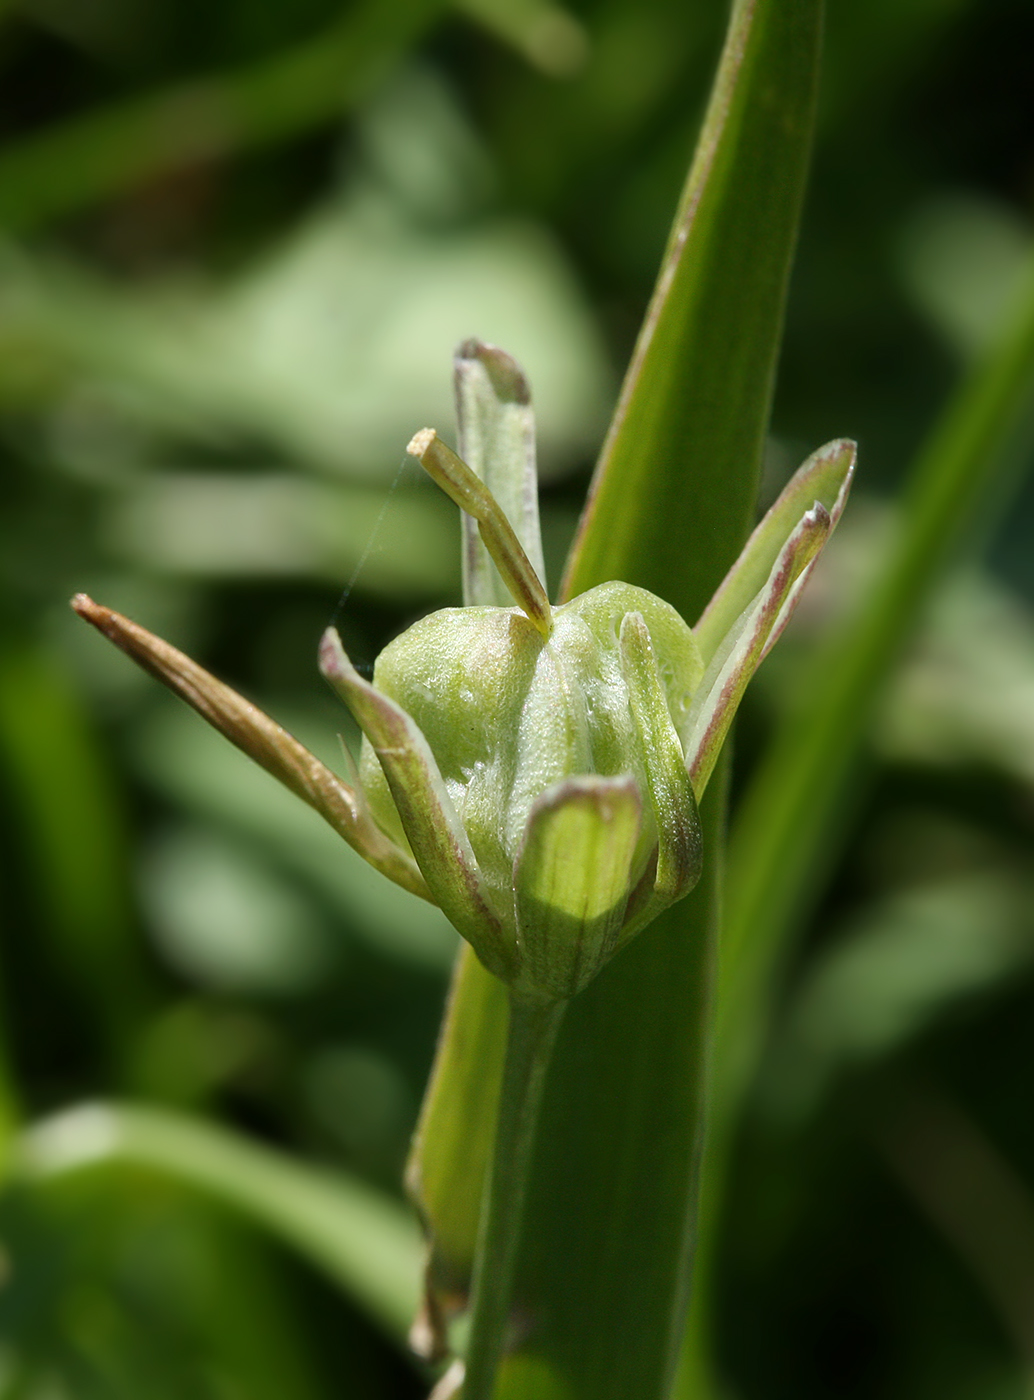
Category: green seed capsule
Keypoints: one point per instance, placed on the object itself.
(541, 765)
(510, 716)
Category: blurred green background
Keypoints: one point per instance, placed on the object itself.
(240, 241)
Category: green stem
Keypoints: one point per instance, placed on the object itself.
(529, 1044)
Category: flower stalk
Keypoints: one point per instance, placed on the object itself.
(531, 1034)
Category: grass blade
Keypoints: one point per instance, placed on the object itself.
(73, 846)
(366, 1242)
(670, 508)
(674, 492)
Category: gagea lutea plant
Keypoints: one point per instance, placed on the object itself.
(533, 769)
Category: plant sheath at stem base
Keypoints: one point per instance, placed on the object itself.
(530, 1039)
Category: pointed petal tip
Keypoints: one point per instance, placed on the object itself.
(816, 515)
(334, 662)
(261, 738)
(470, 349)
(86, 608)
(837, 446)
(843, 450)
(106, 620)
(331, 652)
(832, 451)
(572, 879)
(597, 786)
(825, 477)
(841, 454)
(507, 378)
(609, 797)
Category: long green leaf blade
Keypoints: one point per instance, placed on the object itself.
(610, 1214)
(675, 487)
(671, 506)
